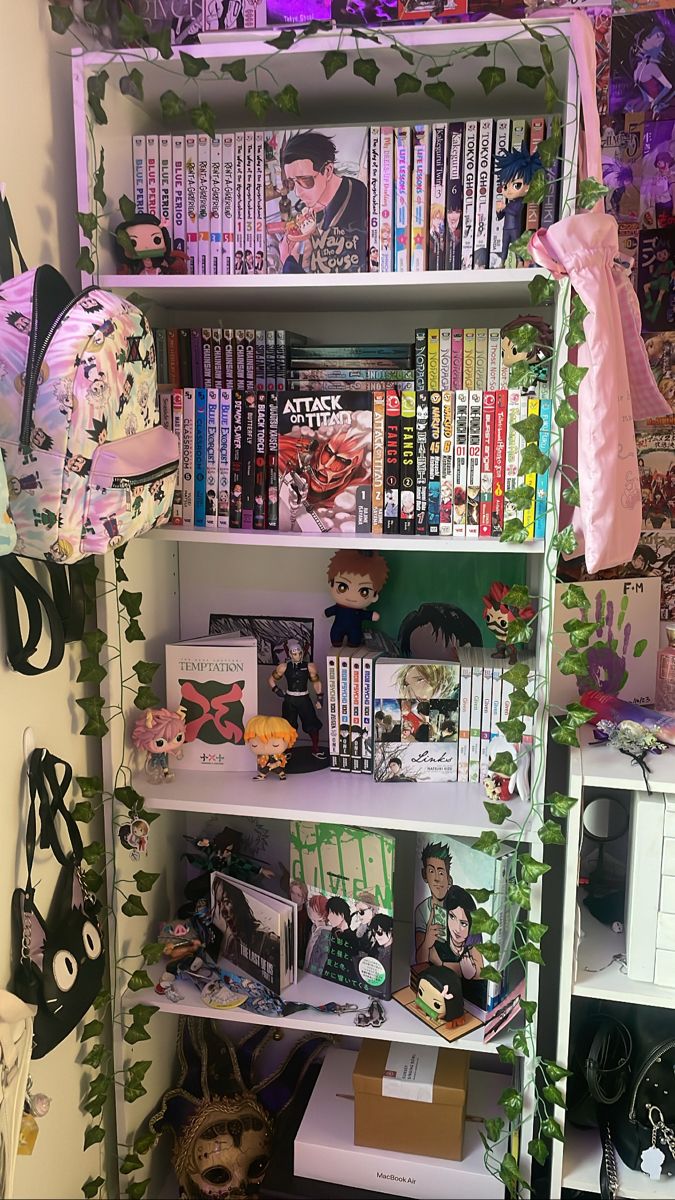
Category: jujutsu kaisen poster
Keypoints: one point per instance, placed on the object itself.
(656, 279)
(316, 201)
(642, 72)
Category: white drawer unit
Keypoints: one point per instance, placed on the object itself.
(645, 869)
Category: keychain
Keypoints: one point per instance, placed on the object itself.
(652, 1159)
(34, 1106)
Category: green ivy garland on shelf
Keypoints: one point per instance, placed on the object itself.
(530, 690)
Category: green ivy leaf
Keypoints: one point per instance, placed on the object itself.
(131, 26)
(83, 812)
(133, 1090)
(493, 1128)
(407, 83)
(513, 531)
(89, 785)
(139, 980)
(518, 631)
(529, 428)
(517, 675)
(571, 377)
(137, 1189)
(92, 1135)
(571, 494)
(287, 100)
(61, 17)
(565, 415)
(145, 880)
(560, 805)
(590, 191)
(91, 671)
(531, 869)
(405, 54)
(96, 725)
(488, 842)
(482, 922)
(102, 1000)
(564, 734)
(520, 1042)
(546, 58)
(132, 84)
(96, 94)
(521, 496)
(129, 797)
(95, 1056)
(318, 27)
(531, 77)
(146, 698)
(142, 1013)
(551, 834)
(520, 249)
(533, 461)
(554, 1096)
(513, 730)
(482, 51)
(133, 906)
(519, 374)
(204, 119)
(284, 41)
(235, 69)
(127, 208)
(522, 704)
(537, 189)
(548, 151)
(133, 632)
(511, 1177)
(506, 1054)
(578, 312)
(144, 1142)
(480, 895)
(490, 78)
(172, 105)
(131, 603)
(87, 222)
(503, 764)
(98, 193)
(551, 96)
(496, 812)
(136, 1033)
(85, 262)
(529, 1008)
(538, 1150)
(192, 67)
(333, 61)
(512, 1103)
(565, 541)
(580, 632)
(366, 68)
(160, 40)
(554, 1071)
(530, 953)
(145, 671)
(152, 952)
(96, 12)
(541, 289)
(578, 714)
(129, 1164)
(92, 1187)
(434, 72)
(490, 973)
(91, 1029)
(259, 102)
(93, 880)
(490, 951)
(441, 92)
(519, 893)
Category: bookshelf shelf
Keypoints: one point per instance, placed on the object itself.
(581, 1169)
(330, 293)
(599, 977)
(331, 796)
(327, 541)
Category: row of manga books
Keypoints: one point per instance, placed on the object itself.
(233, 358)
(347, 199)
(412, 721)
(462, 358)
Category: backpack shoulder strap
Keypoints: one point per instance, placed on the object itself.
(16, 581)
(8, 239)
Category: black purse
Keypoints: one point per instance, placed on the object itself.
(58, 961)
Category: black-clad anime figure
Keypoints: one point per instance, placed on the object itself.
(298, 705)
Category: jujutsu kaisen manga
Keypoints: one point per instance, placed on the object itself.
(325, 461)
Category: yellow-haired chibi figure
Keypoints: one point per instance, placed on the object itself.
(269, 738)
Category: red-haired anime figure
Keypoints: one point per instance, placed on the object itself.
(498, 616)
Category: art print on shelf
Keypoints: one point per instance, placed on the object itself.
(363, 12)
(642, 71)
(622, 651)
(657, 183)
(656, 279)
(224, 15)
(655, 556)
(316, 201)
(416, 720)
(184, 18)
(272, 634)
(257, 930)
(660, 349)
(656, 463)
(348, 876)
(215, 681)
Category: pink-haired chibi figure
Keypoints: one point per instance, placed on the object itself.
(160, 733)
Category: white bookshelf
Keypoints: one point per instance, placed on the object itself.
(582, 1170)
(186, 574)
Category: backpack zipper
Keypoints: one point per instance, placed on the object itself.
(35, 361)
(654, 1057)
(130, 481)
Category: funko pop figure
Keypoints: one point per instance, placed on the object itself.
(269, 738)
(439, 996)
(498, 616)
(537, 356)
(356, 578)
(144, 247)
(160, 733)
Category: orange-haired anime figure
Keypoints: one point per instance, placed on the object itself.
(269, 738)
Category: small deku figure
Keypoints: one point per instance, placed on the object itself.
(356, 578)
(44, 517)
(515, 170)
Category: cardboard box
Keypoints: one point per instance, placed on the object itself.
(324, 1145)
(410, 1098)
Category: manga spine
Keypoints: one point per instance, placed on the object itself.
(217, 341)
(356, 715)
(165, 418)
(240, 357)
(537, 135)
(485, 725)
(433, 359)
(272, 461)
(464, 732)
(437, 197)
(494, 359)
(216, 207)
(378, 461)
(419, 221)
(374, 199)
(530, 480)
(502, 143)
(196, 358)
(421, 462)
(387, 199)
(402, 206)
(457, 360)
(546, 414)
(177, 423)
(236, 472)
(344, 711)
(496, 713)
(406, 522)
(282, 359)
(475, 723)
(260, 380)
(165, 180)
(499, 470)
(549, 205)
(173, 357)
(248, 460)
(445, 359)
(487, 459)
(224, 459)
(161, 353)
(139, 165)
(259, 238)
(392, 463)
(513, 443)
(469, 193)
(469, 372)
(228, 358)
(461, 440)
(454, 201)
(474, 464)
(227, 221)
(200, 458)
(249, 349)
(260, 464)
(484, 171)
(481, 369)
(420, 360)
(203, 200)
(518, 133)
(447, 431)
(191, 204)
(178, 160)
(270, 360)
(434, 482)
(152, 173)
(207, 358)
(239, 203)
(332, 688)
(185, 357)
(367, 682)
(212, 453)
(307, 375)
(504, 375)
(249, 200)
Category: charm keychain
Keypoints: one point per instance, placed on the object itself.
(34, 1106)
(652, 1159)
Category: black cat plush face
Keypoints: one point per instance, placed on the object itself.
(66, 964)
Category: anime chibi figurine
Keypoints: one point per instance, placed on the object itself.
(537, 357)
(515, 170)
(297, 705)
(356, 578)
(505, 787)
(269, 738)
(160, 733)
(144, 248)
(439, 996)
(498, 616)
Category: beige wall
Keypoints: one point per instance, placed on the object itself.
(38, 167)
